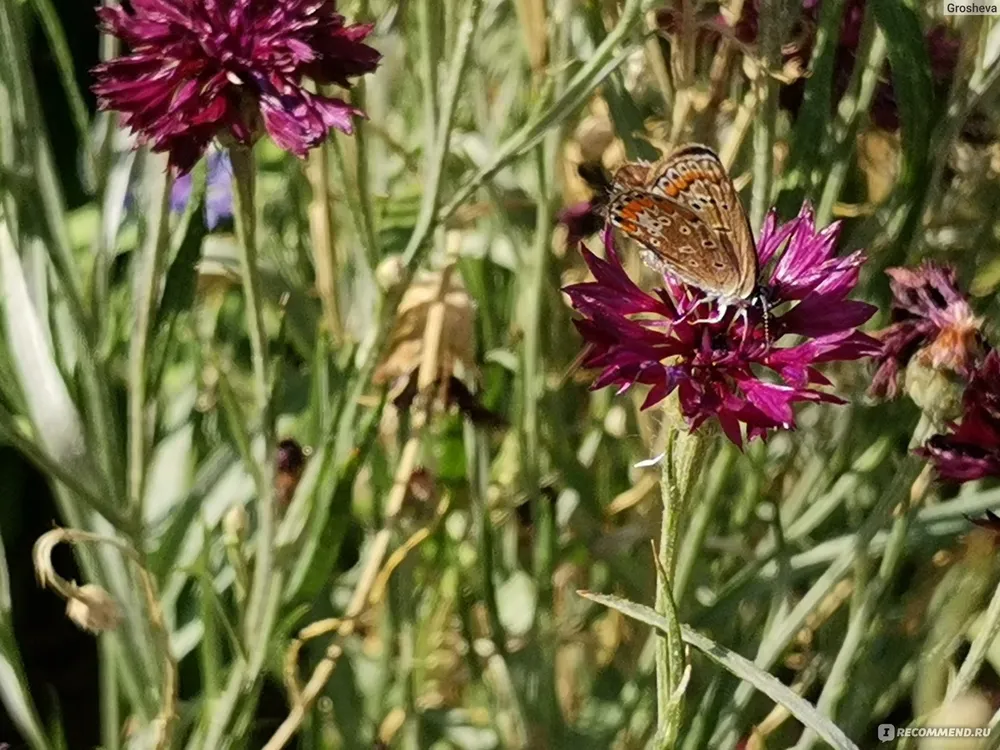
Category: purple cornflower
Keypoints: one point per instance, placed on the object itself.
(197, 69)
(662, 341)
(931, 320)
(972, 449)
(218, 190)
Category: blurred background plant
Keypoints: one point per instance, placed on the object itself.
(325, 473)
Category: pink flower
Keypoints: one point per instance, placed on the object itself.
(197, 69)
(665, 340)
(932, 320)
(972, 449)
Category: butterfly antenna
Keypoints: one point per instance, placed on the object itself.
(767, 321)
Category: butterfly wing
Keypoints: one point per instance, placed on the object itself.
(632, 175)
(695, 177)
(678, 241)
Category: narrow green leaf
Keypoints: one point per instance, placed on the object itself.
(330, 507)
(53, 414)
(735, 664)
(911, 82)
(67, 76)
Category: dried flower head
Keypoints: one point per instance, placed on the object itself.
(198, 69)
(932, 321)
(457, 335)
(664, 342)
(972, 449)
(93, 609)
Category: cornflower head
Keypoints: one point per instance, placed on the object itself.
(932, 322)
(971, 450)
(233, 69)
(732, 369)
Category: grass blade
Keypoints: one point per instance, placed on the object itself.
(735, 664)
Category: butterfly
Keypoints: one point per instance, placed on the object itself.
(686, 216)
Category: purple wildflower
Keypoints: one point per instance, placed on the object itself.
(218, 190)
(662, 341)
(972, 449)
(932, 320)
(198, 69)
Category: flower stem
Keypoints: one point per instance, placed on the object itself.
(872, 50)
(684, 455)
(149, 275)
(246, 231)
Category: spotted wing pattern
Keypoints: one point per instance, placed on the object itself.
(632, 175)
(695, 177)
(678, 241)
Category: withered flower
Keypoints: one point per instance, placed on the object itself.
(93, 609)
(932, 321)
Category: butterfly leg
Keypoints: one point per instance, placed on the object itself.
(720, 313)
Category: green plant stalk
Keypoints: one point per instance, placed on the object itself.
(780, 634)
(11, 434)
(371, 350)
(814, 113)
(700, 521)
(477, 448)
(430, 54)
(763, 148)
(46, 187)
(868, 595)
(684, 456)
(598, 67)
(735, 665)
(534, 270)
(111, 725)
(977, 652)
(64, 63)
(772, 24)
(244, 212)
(853, 106)
(150, 264)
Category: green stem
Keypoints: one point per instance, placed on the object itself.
(772, 25)
(872, 49)
(682, 461)
(977, 652)
(591, 74)
(245, 216)
(149, 278)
